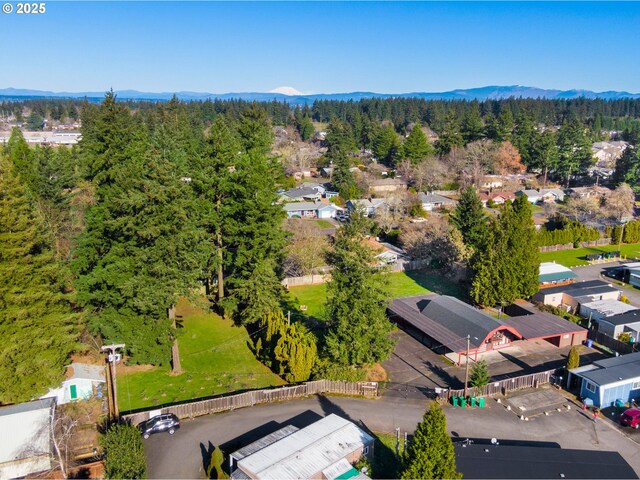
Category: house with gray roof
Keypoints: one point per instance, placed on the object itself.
(543, 195)
(434, 201)
(605, 381)
(616, 325)
(311, 209)
(368, 206)
(300, 194)
(570, 296)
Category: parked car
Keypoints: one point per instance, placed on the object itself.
(167, 422)
(631, 418)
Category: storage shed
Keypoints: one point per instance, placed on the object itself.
(552, 273)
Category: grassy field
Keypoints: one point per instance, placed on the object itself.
(215, 358)
(401, 284)
(577, 256)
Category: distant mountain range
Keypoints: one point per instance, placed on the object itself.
(482, 93)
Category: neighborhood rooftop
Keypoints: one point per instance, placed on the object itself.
(554, 272)
(631, 316)
(580, 289)
(614, 369)
(608, 307)
(306, 452)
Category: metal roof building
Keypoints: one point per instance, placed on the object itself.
(444, 323)
(305, 453)
(606, 381)
(604, 308)
(25, 446)
(552, 273)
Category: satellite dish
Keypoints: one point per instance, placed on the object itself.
(494, 441)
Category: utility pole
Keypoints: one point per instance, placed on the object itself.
(112, 358)
(466, 367)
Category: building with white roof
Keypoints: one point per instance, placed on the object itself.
(25, 442)
(552, 273)
(604, 308)
(325, 449)
(83, 381)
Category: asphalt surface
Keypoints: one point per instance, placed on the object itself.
(185, 454)
(594, 272)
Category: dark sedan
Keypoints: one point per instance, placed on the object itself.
(160, 423)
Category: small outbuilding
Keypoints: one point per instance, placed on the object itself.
(83, 381)
(570, 296)
(604, 308)
(552, 273)
(616, 325)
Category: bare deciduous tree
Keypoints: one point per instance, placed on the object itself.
(480, 157)
(620, 202)
(307, 247)
(508, 160)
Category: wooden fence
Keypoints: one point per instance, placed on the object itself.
(507, 385)
(611, 343)
(257, 397)
(556, 248)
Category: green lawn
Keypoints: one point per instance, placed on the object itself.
(577, 256)
(324, 224)
(215, 358)
(401, 284)
(385, 464)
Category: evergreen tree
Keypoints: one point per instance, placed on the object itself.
(339, 144)
(37, 325)
(356, 300)
(505, 125)
(141, 249)
(543, 153)
(255, 239)
(306, 128)
(479, 376)
(573, 359)
(430, 453)
(574, 150)
(125, 457)
(416, 147)
(450, 136)
(470, 219)
(628, 169)
(472, 128)
(386, 145)
(523, 138)
(20, 155)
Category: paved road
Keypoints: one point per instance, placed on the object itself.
(184, 454)
(594, 272)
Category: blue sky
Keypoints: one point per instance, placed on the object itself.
(386, 47)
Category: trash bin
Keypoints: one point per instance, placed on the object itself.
(481, 402)
(472, 401)
(589, 343)
(619, 403)
(463, 402)
(454, 401)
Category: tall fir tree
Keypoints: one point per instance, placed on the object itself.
(430, 453)
(450, 137)
(356, 303)
(416, 147)
(38, 327)
(470, 219)
(472, 127)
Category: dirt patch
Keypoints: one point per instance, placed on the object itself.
(87, 358)
(376, 373)
(121, 368)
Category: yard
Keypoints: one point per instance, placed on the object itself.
(324, 223)
(215, 358)
(577, 257)
(401, 284)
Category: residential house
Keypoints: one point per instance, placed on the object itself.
(604, 308)
(387, 185)
(543, 195)
(570, 296)
(616, 325)
(605, 381)
(593, 191)
(446, 324)
(631, 273)
(552, 273)
(25, 442)
(492, 181)
(607, 153)
(434, 201)
(318, 187)
(301, 194)
(311, 209)
(368, 206)
(504, 459)
(83, 381)
(326, 449)
(498, 198)
(533, 196)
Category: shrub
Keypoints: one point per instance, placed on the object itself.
(124, 449)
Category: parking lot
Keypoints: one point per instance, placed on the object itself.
(595, 272)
